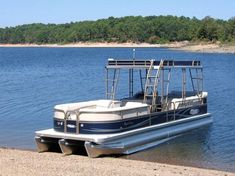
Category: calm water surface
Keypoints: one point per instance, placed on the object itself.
(33, 80)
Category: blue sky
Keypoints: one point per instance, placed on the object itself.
(18, 12)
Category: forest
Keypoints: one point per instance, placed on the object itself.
(138, 29)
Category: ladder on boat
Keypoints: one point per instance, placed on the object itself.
(157, 85)
(142, 79)
(111, 84)
(165, 83)
(196, 75)
(153, 78)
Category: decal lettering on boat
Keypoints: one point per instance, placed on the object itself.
(128, 123)
(60, 123)
(71, 126)
(194, 111)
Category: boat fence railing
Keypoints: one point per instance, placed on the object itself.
(189, 103)
(143, 63)
(154, 108)
(67, 115)
(165, 107)
(122, 112)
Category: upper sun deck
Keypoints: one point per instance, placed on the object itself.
(145, 64)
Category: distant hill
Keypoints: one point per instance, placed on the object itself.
(150, 29)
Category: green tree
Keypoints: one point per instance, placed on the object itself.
(152, 29)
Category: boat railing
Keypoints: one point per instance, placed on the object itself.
(136, 63)
(67, 115)
(166, 107)
(176, 105)
(154, 108)
(128, 62)
(189, 103)
(76, 112)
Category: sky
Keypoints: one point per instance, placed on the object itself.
(18, 12)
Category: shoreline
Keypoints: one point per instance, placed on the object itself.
(208, 48)
(180, 46)
(23, 162)
(92, 45)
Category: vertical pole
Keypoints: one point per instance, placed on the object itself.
(184, 83)
(130, 82)
(163, 80)
(133, 54)
(113, 84)
(117, 72)
(141, 80)
(107, 83)
(198, 86)
(167, 85)
(202, 79)
(190, 71)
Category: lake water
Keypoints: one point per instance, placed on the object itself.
(33, 80)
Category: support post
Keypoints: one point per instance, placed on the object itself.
(130, 82)
(107, 83)
(183, 83)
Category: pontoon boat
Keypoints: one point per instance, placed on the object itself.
(142, 120)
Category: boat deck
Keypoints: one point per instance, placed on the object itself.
(83, 137)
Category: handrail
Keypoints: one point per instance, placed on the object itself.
(65, 122)
(184, 102)
(77, 122)
(76, 112)
(108, 110)
(67, 114)
(168, 105)
(173, 106)
(146, 63)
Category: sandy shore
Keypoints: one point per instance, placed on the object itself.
(101, 45)
(18, 162)
(183, 46)
(207, 48)
(88, 44)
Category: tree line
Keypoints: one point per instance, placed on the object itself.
(150, 29)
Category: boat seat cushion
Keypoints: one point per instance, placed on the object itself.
(104, 103)
(134, 104)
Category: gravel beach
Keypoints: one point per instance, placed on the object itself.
(20, 162)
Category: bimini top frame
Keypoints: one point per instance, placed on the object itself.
(145, 64)
(155, 83)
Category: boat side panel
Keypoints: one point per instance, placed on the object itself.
(129, 124)
(59, 125)
(114, 127)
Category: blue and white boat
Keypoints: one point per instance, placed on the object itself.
(141, 120)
